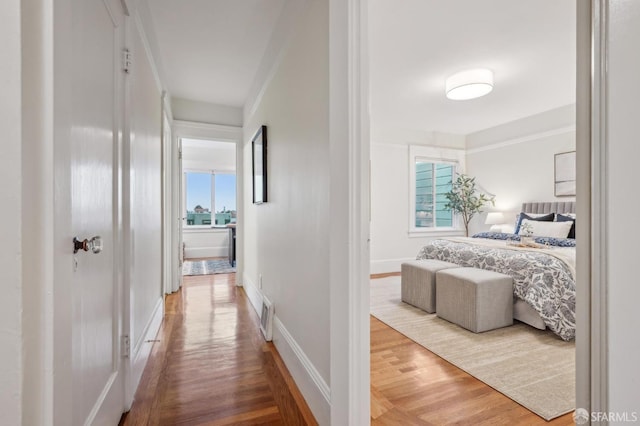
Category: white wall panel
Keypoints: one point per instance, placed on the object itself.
(206, 243)
(145, 198)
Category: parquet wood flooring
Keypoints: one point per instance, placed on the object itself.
(412, 386)
(211, 365)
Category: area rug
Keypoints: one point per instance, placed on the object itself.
(207, 267)
(532, 367)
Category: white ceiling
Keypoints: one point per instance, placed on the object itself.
(416, 44)
(211, 49)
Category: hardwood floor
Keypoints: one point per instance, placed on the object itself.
(211, 365)
(412, 386)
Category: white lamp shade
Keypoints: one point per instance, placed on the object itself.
(494, 218)
(469, 84)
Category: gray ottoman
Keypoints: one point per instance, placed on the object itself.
(475, 299)
(419, 282)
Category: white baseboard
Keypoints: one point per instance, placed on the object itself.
(140, 351)
(314, 389)
(254, 295)
(194, 252)
(388, 265)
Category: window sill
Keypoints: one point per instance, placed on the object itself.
(436, 232)
(206, 228)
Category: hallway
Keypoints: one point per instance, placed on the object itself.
(211, 365)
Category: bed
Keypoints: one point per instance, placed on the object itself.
(544, 277)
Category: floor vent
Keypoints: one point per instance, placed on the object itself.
(266, 319)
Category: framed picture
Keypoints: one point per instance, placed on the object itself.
(259, 167)
(565, 174)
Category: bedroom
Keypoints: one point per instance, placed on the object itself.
(507, 140)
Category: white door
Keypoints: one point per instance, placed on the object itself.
(97, 390)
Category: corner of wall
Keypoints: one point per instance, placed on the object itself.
(280, 38)
(314, 388)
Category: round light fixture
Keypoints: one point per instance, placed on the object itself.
(469, 84)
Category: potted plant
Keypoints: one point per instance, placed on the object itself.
(465, 199)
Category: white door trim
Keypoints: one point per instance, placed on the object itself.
(349, 156)
(591, 316)
(168, 264)
(214, 132)
(591, 308)
(597, 297)
(35, 27)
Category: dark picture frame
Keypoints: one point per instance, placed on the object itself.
(259, 165)
(564, 172)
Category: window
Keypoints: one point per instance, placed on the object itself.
(431, 172)
(225, 198)
(433, 180)
(210, 198)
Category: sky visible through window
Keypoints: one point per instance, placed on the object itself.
(225, 192)
(199, 191)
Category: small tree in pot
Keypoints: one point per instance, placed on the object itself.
(466, 200)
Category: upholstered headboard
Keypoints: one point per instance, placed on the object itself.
(550, 207)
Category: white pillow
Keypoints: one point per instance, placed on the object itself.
(547, 229)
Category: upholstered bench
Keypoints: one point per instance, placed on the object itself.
(475, 299)
(418, 282)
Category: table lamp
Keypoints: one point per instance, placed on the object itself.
(495, 219)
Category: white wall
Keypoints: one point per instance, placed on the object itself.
(10, 215)
(203, 112)
(515, 161)
(287, 238)
(205, 243)
(391, 243)
(623, 154)
(145, 195)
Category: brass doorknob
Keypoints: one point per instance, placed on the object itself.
(94, 244)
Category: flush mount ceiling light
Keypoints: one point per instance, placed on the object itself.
(469, 84)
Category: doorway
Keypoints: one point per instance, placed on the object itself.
(388, 145)
(207, 199)
(209, 206)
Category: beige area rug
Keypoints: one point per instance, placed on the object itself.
(533, 367)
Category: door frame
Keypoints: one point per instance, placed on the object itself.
(349, 239)
(168, 155)
(591, 121)
(212, 132)
(592, 375)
